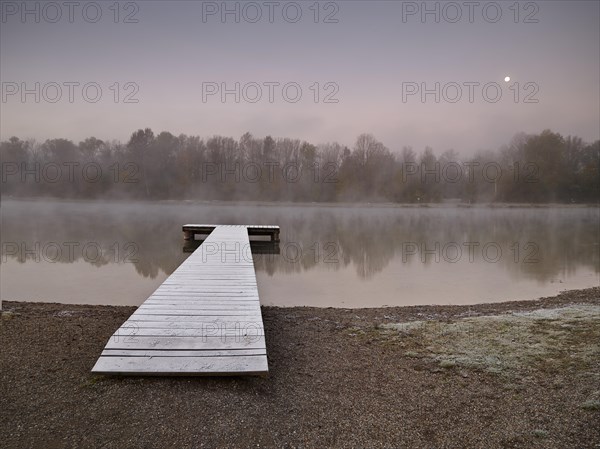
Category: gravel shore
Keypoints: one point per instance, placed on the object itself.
(489, 375)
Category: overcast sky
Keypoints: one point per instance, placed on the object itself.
(363, 60)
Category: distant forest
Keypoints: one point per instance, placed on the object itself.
(545, 167)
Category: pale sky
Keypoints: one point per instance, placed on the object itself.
(368, 54)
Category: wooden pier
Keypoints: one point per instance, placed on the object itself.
(205, 319)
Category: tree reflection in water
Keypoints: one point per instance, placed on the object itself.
(537, 243)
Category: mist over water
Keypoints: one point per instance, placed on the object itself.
(359, 256)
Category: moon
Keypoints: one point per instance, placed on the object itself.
(507, 79)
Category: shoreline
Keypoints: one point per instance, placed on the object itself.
(437, 310)
(413, 376)
(341, 204)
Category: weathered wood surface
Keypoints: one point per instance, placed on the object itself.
(205, 319)
(190, 230)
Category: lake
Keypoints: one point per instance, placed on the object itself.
(119, 252)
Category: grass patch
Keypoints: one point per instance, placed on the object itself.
(548, 340)
(447, 364)
(592, 404)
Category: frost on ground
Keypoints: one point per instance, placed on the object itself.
(566, 338)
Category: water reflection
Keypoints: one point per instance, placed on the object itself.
(382, 246)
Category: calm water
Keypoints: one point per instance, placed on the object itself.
(120, 252)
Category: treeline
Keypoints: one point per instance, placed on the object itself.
(545, 167)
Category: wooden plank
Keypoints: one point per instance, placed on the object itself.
(192, 316)
(243, 274)
(193, 305)
(200, 293)
(189, 311)
(188, 298)
(202, 324)
(204, 319)
(196, 318)
(204, 331)
(212, 277)
(220, 342)
(217, 299)
(189, 366)
(175, 353)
